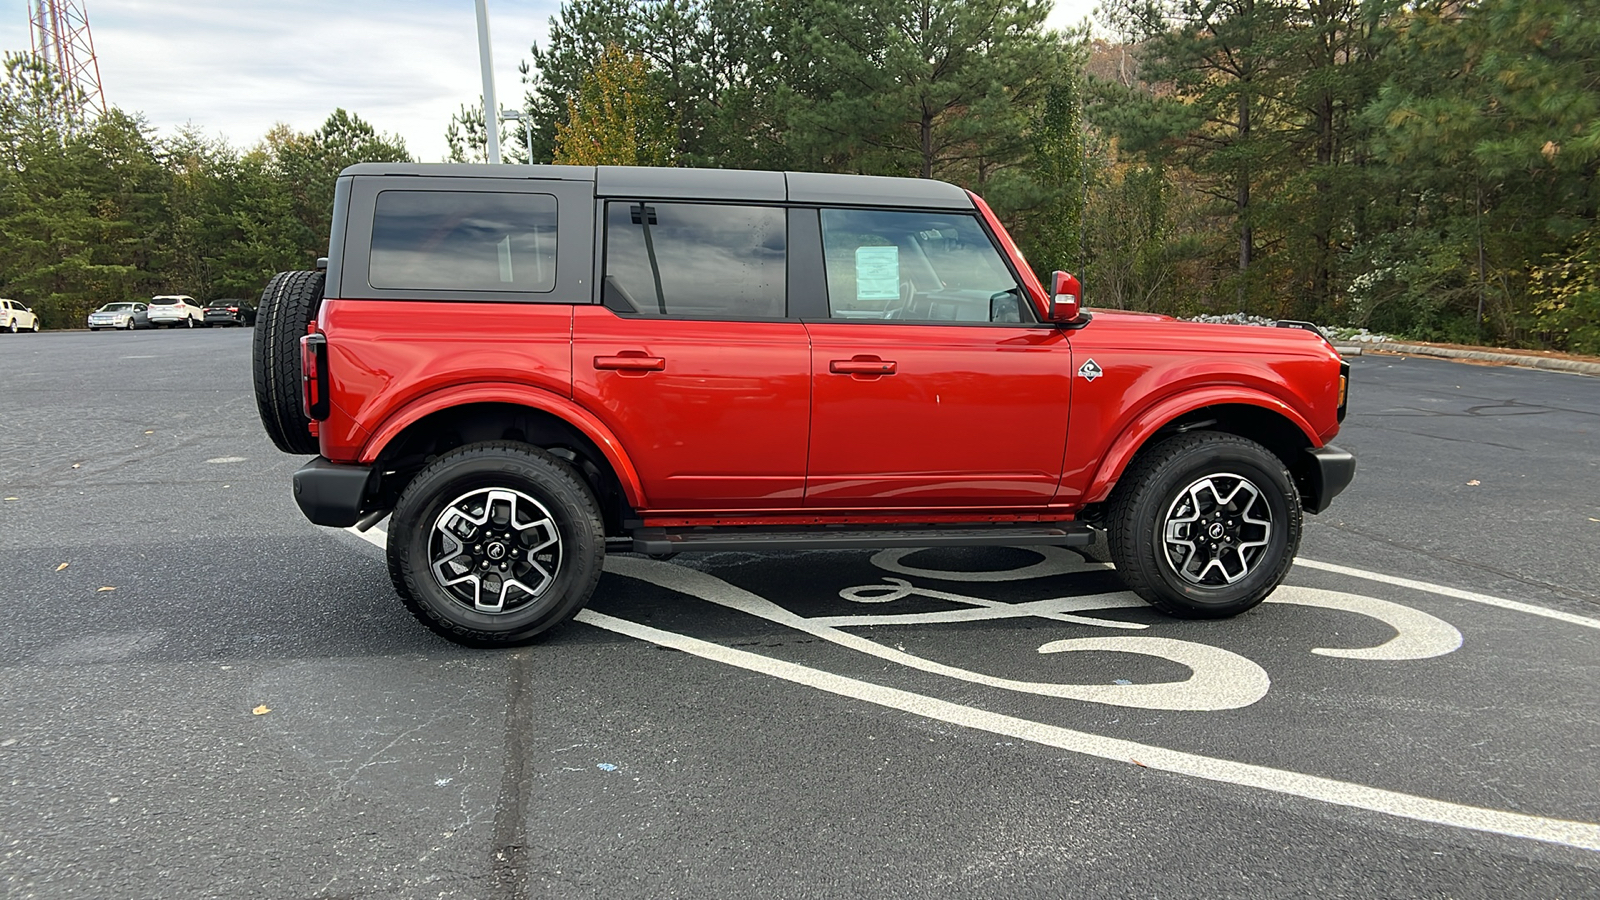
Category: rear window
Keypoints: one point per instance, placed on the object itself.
(160, 301)
(464, 241)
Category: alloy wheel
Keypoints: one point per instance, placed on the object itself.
(494, 550)
(1216, 530)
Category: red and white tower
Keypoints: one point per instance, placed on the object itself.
(62, 41)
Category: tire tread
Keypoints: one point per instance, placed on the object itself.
(287, 305)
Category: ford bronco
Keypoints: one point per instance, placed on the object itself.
(527, 366)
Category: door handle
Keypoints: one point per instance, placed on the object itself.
(861, 366)
(631, 363)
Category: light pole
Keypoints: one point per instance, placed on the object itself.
(517, 115)
(486, 59)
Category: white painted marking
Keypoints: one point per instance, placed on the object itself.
(217, 460)
(1417, 634)
(1054, 608)
(377, 537)
(141, 357)
(1458, 594)
(1583, 835)
(899, 589)
(1226, 681)
(1056, 561)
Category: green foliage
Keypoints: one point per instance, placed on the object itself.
(97, 212)
(619, 117)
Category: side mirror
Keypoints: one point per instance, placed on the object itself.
(1065, 297)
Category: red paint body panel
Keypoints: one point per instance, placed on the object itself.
(720, 425)
(784, 422)
(1157, 368)
(971, 416)
(384, 356)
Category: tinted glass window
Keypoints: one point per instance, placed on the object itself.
(464, 241)
(932, 267)
(695, 261)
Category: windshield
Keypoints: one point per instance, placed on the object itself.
(115, 307)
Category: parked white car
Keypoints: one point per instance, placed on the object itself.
(15, 316)
(174, 310)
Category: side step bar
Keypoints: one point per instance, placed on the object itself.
(665, 540)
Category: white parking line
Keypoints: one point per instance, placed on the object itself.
(1340, 793)
(1582, 835)
(1458, 594)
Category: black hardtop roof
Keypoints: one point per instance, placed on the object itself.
(705, 184)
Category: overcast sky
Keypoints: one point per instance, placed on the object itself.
(234, 68)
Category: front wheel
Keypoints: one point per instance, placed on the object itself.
(1204, 525)
(493, 544)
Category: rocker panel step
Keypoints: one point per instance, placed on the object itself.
(665, 540)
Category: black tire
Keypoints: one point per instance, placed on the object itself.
(1197, 510)
(36, 325)
(287, 306)
(562, 513)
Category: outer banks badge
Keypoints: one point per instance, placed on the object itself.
(1090, 370)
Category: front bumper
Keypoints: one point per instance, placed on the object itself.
(330, 493)
(1330, 472)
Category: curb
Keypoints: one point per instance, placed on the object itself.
(1506, 359)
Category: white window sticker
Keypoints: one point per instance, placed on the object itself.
(877, 273)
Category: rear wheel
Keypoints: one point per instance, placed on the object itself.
(1204, 525)
(287, 307)
(493, 544)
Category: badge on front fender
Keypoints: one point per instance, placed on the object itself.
(1090, 370)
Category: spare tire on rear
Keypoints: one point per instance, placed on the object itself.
(287, 307)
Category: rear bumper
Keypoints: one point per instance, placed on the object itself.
(330, 493)
(1330, 472)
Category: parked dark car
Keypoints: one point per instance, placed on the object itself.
(230, 312)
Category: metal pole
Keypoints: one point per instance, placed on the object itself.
(491, 121)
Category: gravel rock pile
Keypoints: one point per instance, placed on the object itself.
(1341, 334)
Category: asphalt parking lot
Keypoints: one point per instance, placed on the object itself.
(1415, 715)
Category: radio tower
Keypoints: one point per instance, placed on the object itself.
(61, 40)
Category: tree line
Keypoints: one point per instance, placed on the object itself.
(1420, 167)
(103, 210)
(1425, 168)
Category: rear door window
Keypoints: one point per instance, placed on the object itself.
(700, 261)
(464, 241)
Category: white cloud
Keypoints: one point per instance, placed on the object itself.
(236, 68)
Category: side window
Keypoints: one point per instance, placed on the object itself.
(691, 260)
(464, 241)
(918, 266)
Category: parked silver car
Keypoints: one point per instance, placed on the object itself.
(123, 315)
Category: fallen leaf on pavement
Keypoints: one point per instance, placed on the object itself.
(62, 566)
(149, 432)
(1474, 482)
(76, 465)
(1139, 764)
(1593, 519)
(261, 710)
(9, 499)
(104, 589)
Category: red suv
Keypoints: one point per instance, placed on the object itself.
(526, 366)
